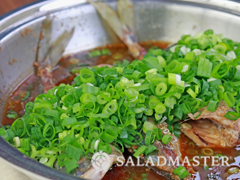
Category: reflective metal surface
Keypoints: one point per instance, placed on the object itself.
(154, 20)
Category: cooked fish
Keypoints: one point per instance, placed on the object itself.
(121, 25)
(50, 54)
(171, 150)
(94, 174)
(206, 133)
(217, 116)
(125, 13)
(173, 145)
(212, 129)
(87, 171)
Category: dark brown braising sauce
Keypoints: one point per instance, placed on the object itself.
(62, 74)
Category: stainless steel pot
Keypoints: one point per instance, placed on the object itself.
(154, 20)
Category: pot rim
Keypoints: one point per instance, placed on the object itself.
(21, 15)
(8, 24)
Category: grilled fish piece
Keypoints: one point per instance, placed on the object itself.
(217, 116)
(206, 133)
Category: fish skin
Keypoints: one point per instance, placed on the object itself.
(212, 129)
(174, 143)
(165, 151)
(217, 116)
(206, 133)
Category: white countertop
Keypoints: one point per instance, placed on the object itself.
(9, 173)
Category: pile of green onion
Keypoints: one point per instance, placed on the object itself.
(110, 105)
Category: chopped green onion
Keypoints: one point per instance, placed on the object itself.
(207, 151)
(160, 108)
(152, 62)
(232, 115)
(166, 139)
(140, 151)
(158, 133)
(212, 106)
(12, 114)
(24, 143)
(174, 67)
(190, 56)
(229, 99)
(87, 76)
(162, 61)
(221, 70)
(204, 68)
(181, 172)
(233, 170)
(150, 149)
(18, 128)
(170, 102)
(238, 107)
(74, 152)
(95, 53)
(26, 96)
(90, 89)
(70, 165)
(153, 102)
(148, 126)
(148, 138)
(237, 74)
(110, 108)
(109, 136)
(105, 52)
(191, 93)
(4, 134)
(110, 71)
(174, 79)
(161, 89)
(220, 48)
(16, 141)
